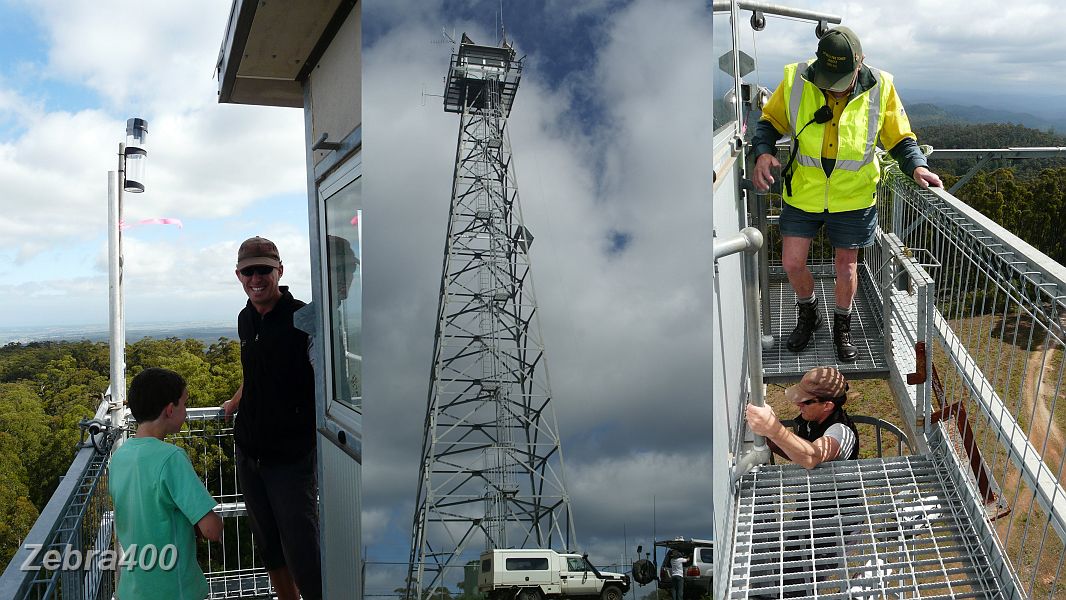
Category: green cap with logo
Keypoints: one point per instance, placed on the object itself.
(839, 54)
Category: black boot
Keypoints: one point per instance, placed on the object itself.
(846, 352)
(807, 320)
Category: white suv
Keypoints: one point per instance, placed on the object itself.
(699, 572)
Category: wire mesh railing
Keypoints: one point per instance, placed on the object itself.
(70, 553)
(230, 565)
(906, 293)
(998, 370)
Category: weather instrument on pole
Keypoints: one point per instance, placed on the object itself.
(491, 470)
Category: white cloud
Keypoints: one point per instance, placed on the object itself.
(148, 54)
(955, 46)
(116, 59)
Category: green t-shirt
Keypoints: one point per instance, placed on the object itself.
(158, 499)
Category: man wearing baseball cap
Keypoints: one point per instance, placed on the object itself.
(823, 430)
(275, 426)
(835, 109)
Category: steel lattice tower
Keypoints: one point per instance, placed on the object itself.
(491, 468)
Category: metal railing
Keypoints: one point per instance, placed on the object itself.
(78, 522)
(997, 369)
(906, 291)
(230, 565)
(974, 323)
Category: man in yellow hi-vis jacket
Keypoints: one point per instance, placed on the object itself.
(835, 108)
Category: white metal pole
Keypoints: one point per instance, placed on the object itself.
(116, 320)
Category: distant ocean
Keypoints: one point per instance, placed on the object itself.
(208, 333)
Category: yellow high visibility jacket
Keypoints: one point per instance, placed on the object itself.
(853, 181)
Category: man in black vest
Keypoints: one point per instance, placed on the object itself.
(823, 430)
(275, 428)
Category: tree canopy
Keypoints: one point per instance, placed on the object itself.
(46, 388)
(1027, 197)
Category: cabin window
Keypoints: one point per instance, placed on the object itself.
(531, 563)
(344, 265)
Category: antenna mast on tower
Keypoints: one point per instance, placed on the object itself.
(491, 471)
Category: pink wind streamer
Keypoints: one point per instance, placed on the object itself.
(157, 221)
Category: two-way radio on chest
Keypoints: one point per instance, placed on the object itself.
(822, 115)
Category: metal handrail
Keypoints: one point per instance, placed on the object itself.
(749, 241)
(998, 324)
(57, 528)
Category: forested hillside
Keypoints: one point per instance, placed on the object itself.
(939, 114)
(1028, 197)
(46, 388)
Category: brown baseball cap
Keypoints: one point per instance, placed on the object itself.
(839, 54)
(258, 251)
(819, 382)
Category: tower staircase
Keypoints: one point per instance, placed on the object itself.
(966, 324)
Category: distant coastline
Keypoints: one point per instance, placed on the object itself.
(207, 332)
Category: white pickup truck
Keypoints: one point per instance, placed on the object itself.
(532, 574)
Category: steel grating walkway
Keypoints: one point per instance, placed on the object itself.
(872, 528)
(246, 584)
(781, 365)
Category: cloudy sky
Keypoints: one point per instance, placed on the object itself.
(70, 75)
(611, 143)
(969, 51)
(232, 171)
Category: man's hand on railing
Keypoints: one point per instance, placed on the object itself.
(762, 178)
(230, 406)
(926, 178)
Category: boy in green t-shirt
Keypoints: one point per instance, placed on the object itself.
(158, 498)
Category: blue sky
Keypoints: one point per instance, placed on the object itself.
(70, 75)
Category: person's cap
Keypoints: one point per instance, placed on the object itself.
(839, 53)
(820, 382)
(258, 251)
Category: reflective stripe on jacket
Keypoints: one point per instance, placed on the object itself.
(853, 181)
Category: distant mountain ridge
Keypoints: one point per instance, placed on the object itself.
(925, 114)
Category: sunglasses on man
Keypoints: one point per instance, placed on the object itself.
(256, 270)
(816, 400)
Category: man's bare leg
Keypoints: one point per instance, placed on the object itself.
(284, 585)
(794, 258)
(845, 264)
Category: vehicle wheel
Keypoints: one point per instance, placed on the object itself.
(611, 592)
(528, 594)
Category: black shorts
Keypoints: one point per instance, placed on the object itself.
(848, 229)
(282, 504)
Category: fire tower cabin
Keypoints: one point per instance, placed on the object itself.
(307, 55)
